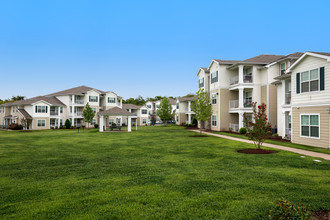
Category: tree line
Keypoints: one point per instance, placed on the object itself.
(12, 99)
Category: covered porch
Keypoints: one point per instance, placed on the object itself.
(103, 115)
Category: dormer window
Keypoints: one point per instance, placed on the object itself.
(282, 68)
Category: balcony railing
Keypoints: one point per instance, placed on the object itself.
(233, 127)
(247, 79)
(79, 102)
(288, 98)
(53, 112)
(234, 80)
(76, 114)
(233, 104)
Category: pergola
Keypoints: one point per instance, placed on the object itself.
(115, 112)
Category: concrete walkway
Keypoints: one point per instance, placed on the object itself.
(294, 150)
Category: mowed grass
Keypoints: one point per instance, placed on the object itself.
(152, 173)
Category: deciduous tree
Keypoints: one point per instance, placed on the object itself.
(202, 107)
(164, 111)
(88, 114)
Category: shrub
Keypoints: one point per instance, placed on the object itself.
(17, 127)
(63, 127)
(283, 209)
(56, 127)
(275, 135)
(67, 124)
(242, 130)
(96, 126)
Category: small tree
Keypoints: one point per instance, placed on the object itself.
(202, 107)
(88, 114)
(259, 128)
(67, 123)
(164, 111)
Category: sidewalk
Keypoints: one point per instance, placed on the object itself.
(294, 150)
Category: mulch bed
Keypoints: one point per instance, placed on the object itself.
(321, 215)
(256, 151)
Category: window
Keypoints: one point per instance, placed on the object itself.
(61, 109)
(214, 77)
(93, 98)
(41, 123)
(94, 110)
(214, 98)
(201, 82)
(214, 120)
(144, 111)
(157, 106)
(310, 80)
(111, 121)
(41, 109)
(282, 68)
(111, 100)
(310, 126)
(93, 122)
(148, 106)
(177, 105)
(144, 121)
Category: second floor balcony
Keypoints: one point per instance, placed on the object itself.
(246, 79)
(247, 103)
(54, 113)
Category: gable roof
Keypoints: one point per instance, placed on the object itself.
(172, 101)
(226, 61)
(51, 100)
(314, 54)
(116, 112)
(189, 98)
(25, 113)
(75, 91)
(263, 59)
(131, 106)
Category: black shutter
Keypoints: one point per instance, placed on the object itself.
(217, 76)
(36, 109)
(322, 78)
(89, 98)
(298, 83)
(46, 109)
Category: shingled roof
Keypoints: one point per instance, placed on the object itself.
(187, 98)
(172, 101)
(131, 106)
(115, 111)
(25, 113)
(51, 100)
(227, 61)
(75, 91)
(321, 53)
(263, 59)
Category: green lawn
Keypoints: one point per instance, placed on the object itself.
(287, 144)
(154, 173)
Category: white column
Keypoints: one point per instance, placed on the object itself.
(241, 119)
(73, 99)
(283, 92)
(240, 73)
(101, 123)
(284, 122)
(129, 128)
(189, 109)
(240, 98)
(189, 118)
(72, 121)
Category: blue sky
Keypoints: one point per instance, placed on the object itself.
(141, 47)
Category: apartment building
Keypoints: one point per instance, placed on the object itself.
(183, 112)
(233, 85)
(153, 106)
(140, 114)
(52, 110)
(303, 89)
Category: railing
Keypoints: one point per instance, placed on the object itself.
(233, 104)
(79, 102)
(247, 78)
(76, 114)
(288, 98)
(53, 112)
(234, 80)
(233, 127)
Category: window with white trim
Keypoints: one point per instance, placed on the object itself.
(214, 120)
(310, 125)
(144, 111)
(94, 110)
(93, 98)
(93, 122)
(111, 100)
(111, 121)
(144, 121)
(310, 80)
(214, 98)
(148, 106)
(177, 105)
(201, 82)
(214, 77)
(282, 68)
(41, 123)
(41, 109)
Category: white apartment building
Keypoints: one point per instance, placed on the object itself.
(140, 114)
(183, 112)
(52, 110)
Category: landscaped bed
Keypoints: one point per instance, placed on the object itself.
(155, 172)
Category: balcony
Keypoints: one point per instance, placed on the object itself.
(54, 113)
(79, 102)
(247, 79)
(233, 127)
(234, 80)
(233, 104)
(288, 98)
